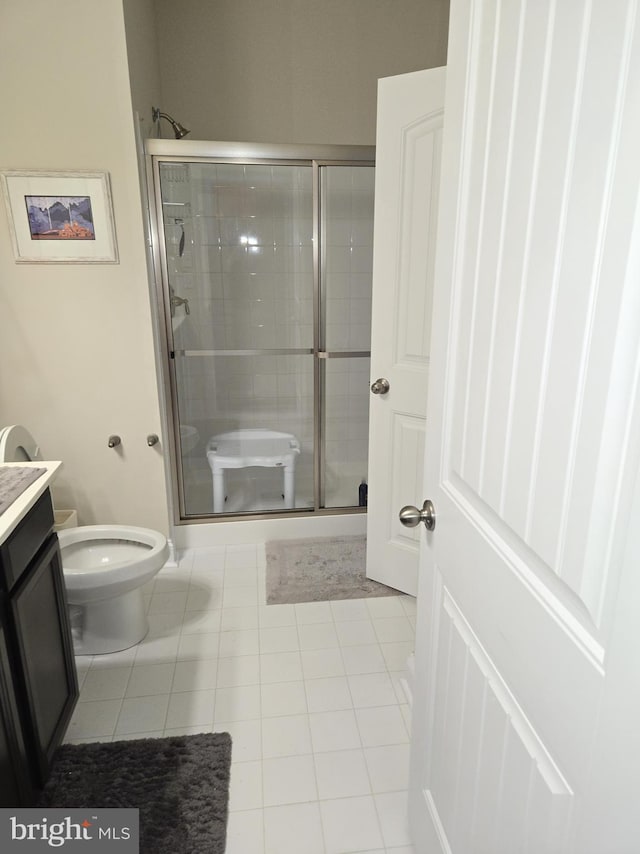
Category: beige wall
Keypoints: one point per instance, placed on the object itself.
(77, 354)
(142, 54)
(290, 70)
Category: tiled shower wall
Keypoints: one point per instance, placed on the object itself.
(347, 241)
(247, 271)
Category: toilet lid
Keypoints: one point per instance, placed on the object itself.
(18, 445)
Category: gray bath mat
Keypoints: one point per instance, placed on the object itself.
(314, 570)
(180, 785)
(13, 481)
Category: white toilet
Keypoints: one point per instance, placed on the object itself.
(104, 569)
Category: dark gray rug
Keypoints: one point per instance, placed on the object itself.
(180, 785)
(314, 570)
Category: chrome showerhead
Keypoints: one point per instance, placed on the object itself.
(178, 129)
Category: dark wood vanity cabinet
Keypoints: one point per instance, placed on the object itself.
(15, 783)
(38, 682)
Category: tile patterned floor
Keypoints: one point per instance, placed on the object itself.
(310, 693)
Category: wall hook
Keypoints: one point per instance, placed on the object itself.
(152, 440)
(113, 441)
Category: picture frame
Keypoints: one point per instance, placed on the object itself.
(60, 217)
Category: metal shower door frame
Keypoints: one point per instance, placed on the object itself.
(159, 151)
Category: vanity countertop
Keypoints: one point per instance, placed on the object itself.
(18, 509)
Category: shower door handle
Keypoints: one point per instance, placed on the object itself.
(380, 386)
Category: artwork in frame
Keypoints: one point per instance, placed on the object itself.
(60, 217)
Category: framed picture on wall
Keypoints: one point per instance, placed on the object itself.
(60, 217)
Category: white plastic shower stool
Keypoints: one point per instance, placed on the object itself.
(240, 449)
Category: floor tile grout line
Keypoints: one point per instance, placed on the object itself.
(315, 777)
(305, 682)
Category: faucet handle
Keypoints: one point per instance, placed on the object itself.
(176, 301)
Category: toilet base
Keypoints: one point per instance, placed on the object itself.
(109, 625)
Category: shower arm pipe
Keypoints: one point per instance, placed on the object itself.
(179, 130)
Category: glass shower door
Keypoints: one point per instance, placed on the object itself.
(240, 272)
(346, 240)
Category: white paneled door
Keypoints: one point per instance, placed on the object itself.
(527, 701)
(408, 151)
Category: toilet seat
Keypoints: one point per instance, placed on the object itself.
(87, 581)
(18, 445)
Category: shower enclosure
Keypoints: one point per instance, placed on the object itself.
(264, 260)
